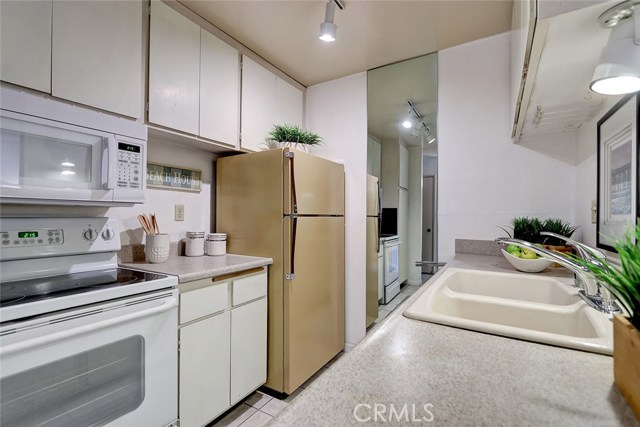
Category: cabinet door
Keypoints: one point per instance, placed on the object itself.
(219, 90)
(25, 43)
(258, 100)
(174, 69)
(288, 106)
(97, 54)
(403, 178)
(204, 370)
(248, 348)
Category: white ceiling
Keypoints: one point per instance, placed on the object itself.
(371, 33)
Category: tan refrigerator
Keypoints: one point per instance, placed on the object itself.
(289, 205)
(374, 216)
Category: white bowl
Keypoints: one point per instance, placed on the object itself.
(527, 265)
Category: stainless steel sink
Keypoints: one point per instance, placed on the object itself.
(530, 307)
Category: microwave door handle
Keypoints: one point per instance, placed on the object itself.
(167, 305)
(110, 168)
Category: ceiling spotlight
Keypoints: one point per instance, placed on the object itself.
(67, 173)
(328, 28)
(618, 70)
(407, 123)
(67, 164)
(431, 139)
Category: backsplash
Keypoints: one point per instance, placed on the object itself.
(477, 247)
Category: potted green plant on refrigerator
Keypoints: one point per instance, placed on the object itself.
(292, 136)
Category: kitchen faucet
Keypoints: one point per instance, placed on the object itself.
(595, 295)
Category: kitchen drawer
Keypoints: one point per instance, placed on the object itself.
(204, 301)
(249, 288)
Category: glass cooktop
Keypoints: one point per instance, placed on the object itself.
(31, 290)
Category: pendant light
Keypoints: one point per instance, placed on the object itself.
(618, 70)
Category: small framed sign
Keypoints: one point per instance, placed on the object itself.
(173, 178)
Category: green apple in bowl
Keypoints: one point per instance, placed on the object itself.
(527, 254)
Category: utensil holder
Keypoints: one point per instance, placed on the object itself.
(156, 248)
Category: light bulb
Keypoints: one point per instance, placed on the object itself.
(406, 124)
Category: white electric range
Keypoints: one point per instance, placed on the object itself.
(82, 342)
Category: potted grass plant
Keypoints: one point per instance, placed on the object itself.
(292, 136)
(624, 283)
(525, 228)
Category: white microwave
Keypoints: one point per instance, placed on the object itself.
(57, 153)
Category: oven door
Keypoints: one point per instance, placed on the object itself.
(391, 262)
(111, 364)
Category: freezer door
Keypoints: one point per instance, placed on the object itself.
(372, 270)
(373, 196)
(314, 298)
(313, 185)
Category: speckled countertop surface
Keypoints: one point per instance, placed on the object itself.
(194, 268)
(468, 378)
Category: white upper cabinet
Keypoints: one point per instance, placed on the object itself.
(289, 104)
(97, 54)
(174, 70)
(219, 90)
(258, 100)
(267, 100)
(25, 43)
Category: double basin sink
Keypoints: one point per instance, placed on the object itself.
(535, 308)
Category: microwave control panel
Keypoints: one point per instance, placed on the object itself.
(129, 166)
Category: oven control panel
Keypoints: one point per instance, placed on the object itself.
(24, 238)
(41, 237)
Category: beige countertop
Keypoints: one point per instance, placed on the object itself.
(194, 268)
(466, 378)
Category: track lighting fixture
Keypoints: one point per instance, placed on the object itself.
(328, 28)
(618, 71)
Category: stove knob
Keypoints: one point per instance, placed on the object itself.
(108, 234)
(90, 234)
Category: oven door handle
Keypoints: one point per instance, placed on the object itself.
(167, 305)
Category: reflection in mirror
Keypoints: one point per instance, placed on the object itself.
(402, 104)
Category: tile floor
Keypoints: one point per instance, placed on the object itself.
(259, 408)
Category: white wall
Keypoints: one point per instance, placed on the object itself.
(161, 202)
(484, 180)
(197, 206)
(429, 166)
(337, 110)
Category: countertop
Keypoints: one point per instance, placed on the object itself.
(194, 268)
(464, 378)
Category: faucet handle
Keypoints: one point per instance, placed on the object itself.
(585, 251)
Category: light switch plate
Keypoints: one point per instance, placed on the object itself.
(594, 211)
(179, 212)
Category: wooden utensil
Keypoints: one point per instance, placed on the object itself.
(154, 221)
(145, 224)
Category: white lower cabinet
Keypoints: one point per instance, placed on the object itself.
(204, 369)
(223, 344)
(248, 345)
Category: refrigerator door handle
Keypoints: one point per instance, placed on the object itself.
(294, 197)
(294, 230)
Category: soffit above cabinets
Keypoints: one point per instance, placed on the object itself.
(370, 33)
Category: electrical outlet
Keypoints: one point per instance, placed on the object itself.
(179, 212)
(594, 212)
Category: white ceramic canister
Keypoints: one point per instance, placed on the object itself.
(216, 244)
(194, 245)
